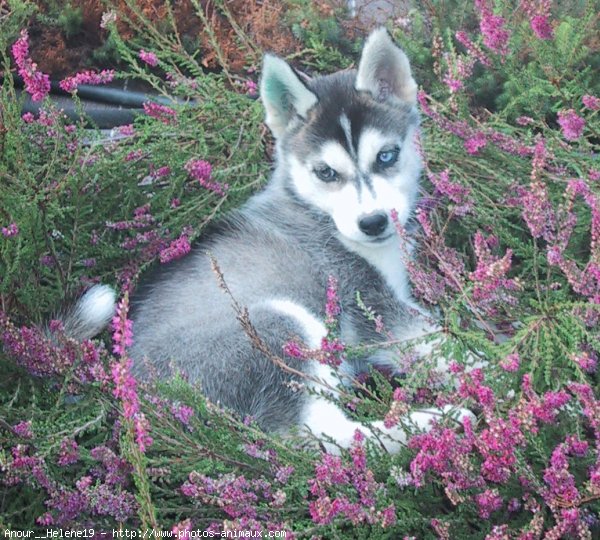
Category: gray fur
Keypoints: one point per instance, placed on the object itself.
(278, 245)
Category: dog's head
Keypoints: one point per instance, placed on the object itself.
(346, 140)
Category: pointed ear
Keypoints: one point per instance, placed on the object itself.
(384, 70)
(283, 94)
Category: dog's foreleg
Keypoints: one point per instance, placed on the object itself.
(323, 417)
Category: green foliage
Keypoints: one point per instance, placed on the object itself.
(65, 189)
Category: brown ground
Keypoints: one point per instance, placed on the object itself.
(261, 22)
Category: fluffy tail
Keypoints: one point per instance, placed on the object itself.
(90, 314)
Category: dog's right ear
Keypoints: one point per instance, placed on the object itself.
(283, 94)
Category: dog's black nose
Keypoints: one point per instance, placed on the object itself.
(373, 224)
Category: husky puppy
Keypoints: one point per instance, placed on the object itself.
(345, 158)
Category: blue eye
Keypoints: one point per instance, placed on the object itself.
(386, 158)
(326, 174)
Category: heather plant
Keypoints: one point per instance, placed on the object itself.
(506, 257)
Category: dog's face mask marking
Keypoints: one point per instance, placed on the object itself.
(348, 139)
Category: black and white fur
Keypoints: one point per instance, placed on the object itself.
(345, 158)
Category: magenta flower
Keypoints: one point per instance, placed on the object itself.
(201, 171)
(332, 307)
(69, 452)
(149, 58)
(161, 112)
(571, 124)
(70, 84)
(122, 327)
(475, 143)
(487, 502)
(524, 120)
(511, 363)
(126, 130)
(591, 102)
(183, 413)
(176, 249)
(489, 278)
(541, 27)
(251, 87)
(23, 429)
(36, 83)
(10, 230)
(495, 36)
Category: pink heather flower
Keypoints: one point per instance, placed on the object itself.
(332, 307)
(571, 124)
(487, 502)
(36, 83)
(591, 102)
(28, 118)
(472, 49)
(149, 58)
(142, 428)
(125, 387)
(295, 350)
(541, 27)
(454, 191)
(122, 328)
(388, 516)
(69, 452)
(176, 249)
(182, 529)
(162, 171)
(70, 84)
(161, 112)
(524, 120)
(511, 363)
(586, 361)
(183, 413)
(126, 130)
(489, 276)
(201, 171)
(575, 446)
(251, 87)
(495, 36)
(537, 211)
(23, 429)
(10, 230)
(560, 482)
(459, 69)
(134, 155)
(476, 142)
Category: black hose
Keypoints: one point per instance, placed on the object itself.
(106, 94)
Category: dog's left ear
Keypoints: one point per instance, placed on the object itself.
(384, 70)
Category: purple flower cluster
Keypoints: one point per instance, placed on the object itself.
(36, 82)
(572, 124)
(148, 57)
(47, 357)
(100, 493)
(201, 171)
(538, 13)
(495, 35)
(165, 114)
(125, 385)
(490, 284)
(176, 249)
(349, 490)
(70, 84)
(10, 230)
